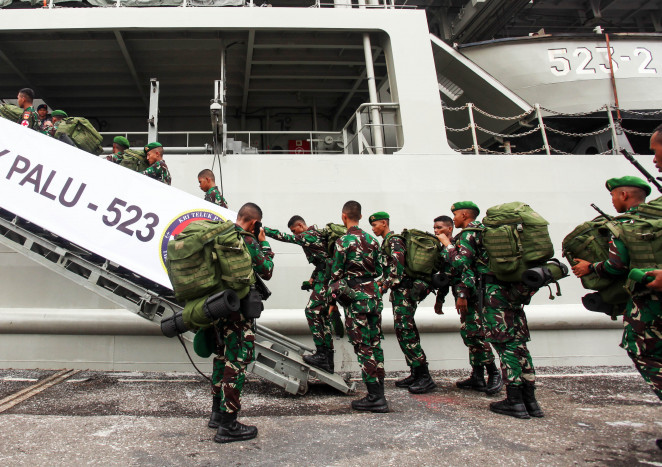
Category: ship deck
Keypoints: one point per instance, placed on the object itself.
(597, 415)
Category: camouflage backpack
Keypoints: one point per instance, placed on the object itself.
(590, 241)
(333, 232)
(82, 133)
(516, 238)
(208, 257)
(642, 235)
(10, 112)
(422, 254)
(134, 160)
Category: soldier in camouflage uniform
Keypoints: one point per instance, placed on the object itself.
(642, 335)
(467, 259)
(57, 117)
(406, 292)
(158, 170)
(120, 144)
(313, 242)
(353, 284)
(236, 338)
(443, 225)
(207, 183)
(29, 118)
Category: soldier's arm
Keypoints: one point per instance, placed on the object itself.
(152, 171)
(338, 263)
(463, 257)
(261, 255)
(396, 264)
(303, 239)
(618, 263)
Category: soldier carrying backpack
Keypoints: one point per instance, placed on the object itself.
(588, 247)
(519, 251)
(213, 268)
(467, 258)
(408, 262)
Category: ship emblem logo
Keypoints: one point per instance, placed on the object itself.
(179, 223)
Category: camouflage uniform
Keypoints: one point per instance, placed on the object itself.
(53, 129)
(356, 266)
(236, 337)
(213, 195)
(467, 259)
(116, 157)
(405, 295)
(30, 118)
(314, 247)
(642, 333)
(507, 330)
(158, 171)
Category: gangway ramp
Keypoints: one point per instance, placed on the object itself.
(48, 191)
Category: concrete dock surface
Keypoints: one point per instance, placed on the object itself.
(593, 415)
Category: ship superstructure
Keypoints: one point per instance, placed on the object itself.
(303, 109)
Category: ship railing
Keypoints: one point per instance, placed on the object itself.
(533, 120)
(385, 5)
(358, 134)
(372, 129)
(315, 139)
(179, 142)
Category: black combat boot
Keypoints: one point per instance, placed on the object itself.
(530, 402)
(215, 419)
(423, 382)
(406, 382)
(512, 405)
(374, 401)
(494, 381)
(231, 430)
(659, 443)
(476, 381)
(319, 359)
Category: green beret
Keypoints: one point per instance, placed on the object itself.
(204, 342)
(153, 145)
(379, 216)
(59, 113)
(121, 140)
(465, 205)
(628, 180)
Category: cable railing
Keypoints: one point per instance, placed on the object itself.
(535, 114)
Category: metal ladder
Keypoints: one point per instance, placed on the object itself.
(277, 358)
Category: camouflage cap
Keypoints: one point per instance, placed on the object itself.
(121, 140)
(153, 145)
(379, 216)
(628, 180)
(465, 205)
(59, 113)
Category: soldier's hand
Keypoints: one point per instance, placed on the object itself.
(262, 237)
(444, 239)
(438, 307)
(581, 268)
(657, 282)
(461, 305)
(333, 309)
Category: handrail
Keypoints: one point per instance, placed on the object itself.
(386, 5)
(358, 136)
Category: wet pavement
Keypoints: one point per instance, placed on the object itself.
(596, 415)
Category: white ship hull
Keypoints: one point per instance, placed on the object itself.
(416, 184)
